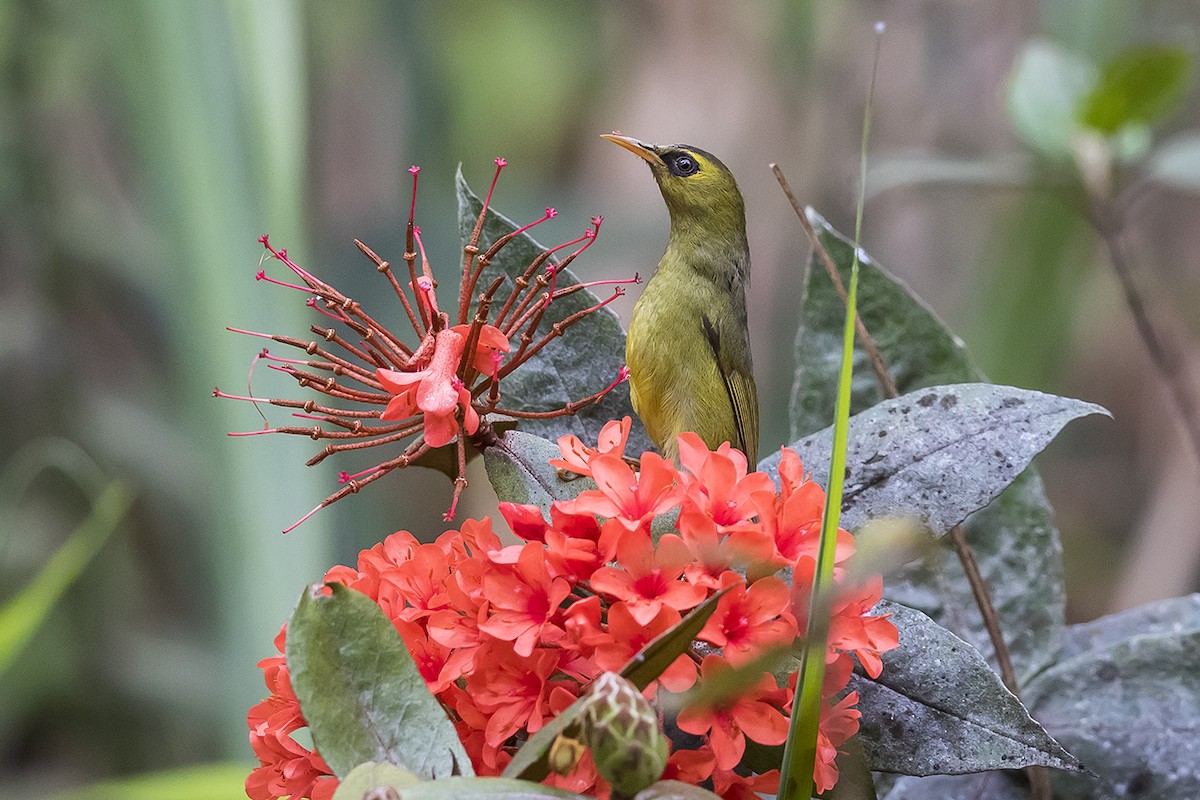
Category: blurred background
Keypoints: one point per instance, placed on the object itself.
(146, 144)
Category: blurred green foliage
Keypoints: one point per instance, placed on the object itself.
(145, 145)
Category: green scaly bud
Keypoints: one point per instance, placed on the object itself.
(622, 730)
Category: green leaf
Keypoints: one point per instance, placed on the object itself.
(581, 362)
(1045, 92)
(1128, 703)
(1177, 162)
(371, 776)
(360, 691)
(1014, 538)
(519, 470)
(23, 614)
(938, 708)
(1139, 86)
(938, 454)
(462, 788)
(531, 763)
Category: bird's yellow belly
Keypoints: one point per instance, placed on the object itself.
(674, 382)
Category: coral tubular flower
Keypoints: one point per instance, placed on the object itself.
(376, 387)
(577, 456)
(507, 637)
(756, 713)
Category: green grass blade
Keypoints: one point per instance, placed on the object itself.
(21, 616)
(800, 750)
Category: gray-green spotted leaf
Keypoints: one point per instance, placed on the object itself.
(581, 362)
(519, 470)
(360, 690)
(977, 786)
(1127, 703)
(940, 453)
(939, 709)
(1177, 615)
(918, 348)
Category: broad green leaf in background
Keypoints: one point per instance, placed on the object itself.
(1045, 92)
(581, 362)
(1138, 87)
(1014, 538)
(938, 708)
(218, 146)
(360, 690)
(1126, 701)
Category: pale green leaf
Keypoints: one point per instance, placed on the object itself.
(1045, 92)
(360, 690)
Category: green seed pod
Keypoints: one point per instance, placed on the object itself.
(564, 754)
(622, 730)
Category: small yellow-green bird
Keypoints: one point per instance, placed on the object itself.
(688, 346)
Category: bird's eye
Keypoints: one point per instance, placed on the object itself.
(684, 165)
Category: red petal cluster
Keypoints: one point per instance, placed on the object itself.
(507, 637)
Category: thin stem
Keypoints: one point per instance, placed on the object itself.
(1167, 358)
(877, 365)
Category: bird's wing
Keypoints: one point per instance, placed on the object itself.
(742, 392)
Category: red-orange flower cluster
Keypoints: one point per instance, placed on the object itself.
(506, 637)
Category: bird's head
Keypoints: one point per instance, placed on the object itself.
(697, 187)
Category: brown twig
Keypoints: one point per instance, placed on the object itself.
(1038, 780)
(877, 364)
(1167, 358)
